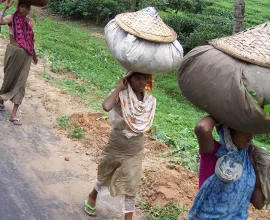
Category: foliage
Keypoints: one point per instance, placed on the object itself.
(67, 123)
(195, 21)
(63, 121)
(76, 133)
(194, 6)
(93, 9)
(170, 212)
(183, 26)
(267, 109)
(197, 30)
(263, 138)
(46, 76)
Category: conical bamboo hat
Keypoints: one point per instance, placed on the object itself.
(146, 24)
(251, 45)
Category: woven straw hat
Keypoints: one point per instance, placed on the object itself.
(251, 45)
(146, 24)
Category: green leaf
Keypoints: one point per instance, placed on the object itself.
(266, 109)
(252, 93)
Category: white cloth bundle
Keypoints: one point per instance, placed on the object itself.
(140, 55)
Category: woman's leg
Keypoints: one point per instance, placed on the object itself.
(92, 198)
(128, 216)
(13, 116)
(14, 111)
(129, 207)
(90, 204)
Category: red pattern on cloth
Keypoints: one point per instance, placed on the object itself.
(23, 33)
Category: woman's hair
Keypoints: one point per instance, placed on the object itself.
(23, 2)
(135, 74)
(149, 85)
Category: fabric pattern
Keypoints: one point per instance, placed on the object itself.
(262, 166)
(225, 201)
(138, 115)
(229, 165)
(23, 33)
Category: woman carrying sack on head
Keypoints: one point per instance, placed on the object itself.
(19, 54)
(132, 112)
(229, 178)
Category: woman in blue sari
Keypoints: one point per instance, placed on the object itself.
(227, 180)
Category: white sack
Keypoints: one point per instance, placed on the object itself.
(140, 55)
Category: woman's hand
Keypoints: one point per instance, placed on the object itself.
(110, 101)
(8, 4)
(35, 59)
(122, 85)
(257, 199)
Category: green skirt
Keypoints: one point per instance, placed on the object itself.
(120, 166)
(17, 64)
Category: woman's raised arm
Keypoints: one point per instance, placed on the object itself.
(203, 131)
(7, 19)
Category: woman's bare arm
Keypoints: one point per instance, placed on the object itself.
(203, 131)
(257, 199)
(110, 101)
(8, 19)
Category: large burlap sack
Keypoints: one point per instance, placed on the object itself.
(220, 85)
(140, 55)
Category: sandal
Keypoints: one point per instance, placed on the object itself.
(89, 210)
(15, 121)
(2, 107)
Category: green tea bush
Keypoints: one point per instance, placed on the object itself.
(194, 6)
(194, 31)
(183, 25)
(93, 9)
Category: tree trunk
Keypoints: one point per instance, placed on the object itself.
(239, 12)
(133, 5)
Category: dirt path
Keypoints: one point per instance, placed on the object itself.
(45, 185)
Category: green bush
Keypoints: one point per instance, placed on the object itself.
(183, 25)
(194, 6)
(206, 31)
(93, 9)
(194, 31)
